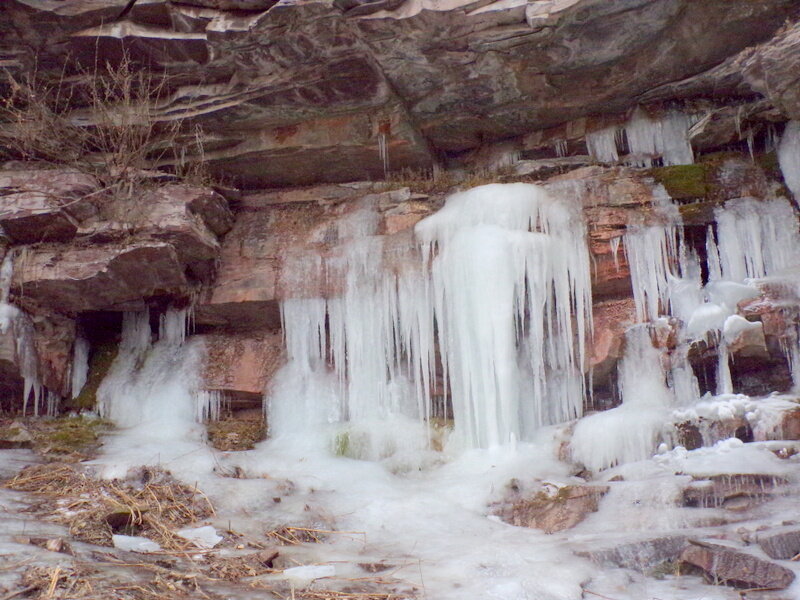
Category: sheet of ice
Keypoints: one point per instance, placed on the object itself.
(132, 543)
(789, 157)
(302, 576)
(652, 255)
(631, 431)
(202, 537)
(6, 273)
(153, 394)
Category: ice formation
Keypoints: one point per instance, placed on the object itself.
(756, 238)
(155, 386)
(499, 280)
(789, 157)
(80, 365)
(602, 144)
(631, 431)
(653, 252)
(16, 322)
(666, 137)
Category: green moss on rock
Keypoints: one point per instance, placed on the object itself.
(100, 362)
(683, 181)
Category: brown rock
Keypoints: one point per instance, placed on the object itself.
(641, 555)
(782, 544)
(240, 365)
(169, 218)
(611, 319)
(30, 217)
(734, 492)
(302, 92)
(774, 70)
(112, 277)
(569, 506)
(731, 567)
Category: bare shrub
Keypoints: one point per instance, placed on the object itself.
(109, 122)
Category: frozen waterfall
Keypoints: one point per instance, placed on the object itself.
(498, 282)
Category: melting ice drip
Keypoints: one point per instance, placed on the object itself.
(15, 321)
(155, 386)
(498, 282)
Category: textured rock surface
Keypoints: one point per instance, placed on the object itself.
(72, 280)
(781, 544)
(242, 365)
(730, 567)
(300, 92)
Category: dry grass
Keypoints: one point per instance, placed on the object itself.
(94, 509)
(233, 434)
(293, 536)
(310, 594)
(87, 583)
(235, 568)
(112, 122)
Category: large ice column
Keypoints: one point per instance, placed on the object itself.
(155, 386)
(602, 144)
(512, 300)
(756, 238)
(789, 157)
(631, 431)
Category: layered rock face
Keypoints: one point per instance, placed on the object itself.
(302, 92)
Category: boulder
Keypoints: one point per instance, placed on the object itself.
(553, 510)
(30, 217)
(41, 205)
(728, 566)
(640, 555)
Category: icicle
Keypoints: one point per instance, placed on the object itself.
(174, 325)
(712, 256)
(561, 148)
(208, 405)
(789, 157)
(80, 365)
(756, 238)
(666, 137)
(651, 252)
(614, 244)
(602, 145)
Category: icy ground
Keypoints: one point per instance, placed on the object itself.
(433, 522)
